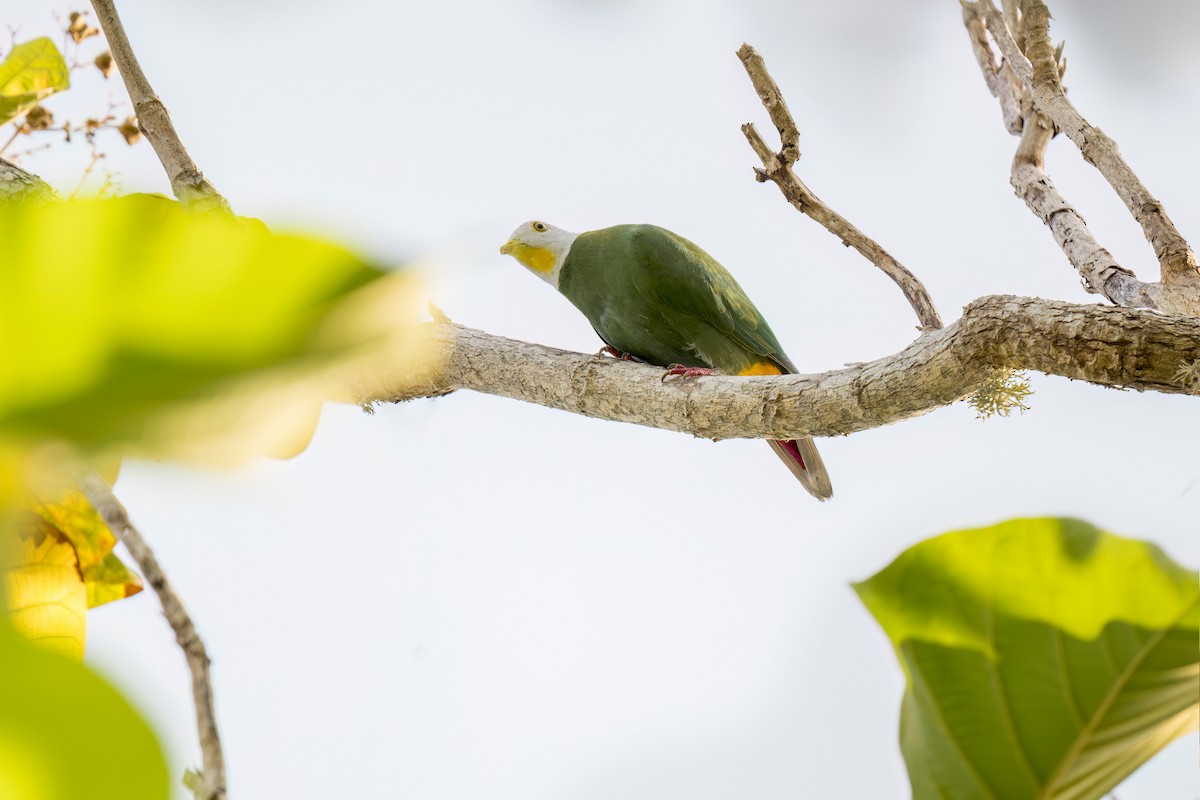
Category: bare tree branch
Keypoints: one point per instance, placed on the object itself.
(1001, 82)
(777, 167)
(1103, 345)
(1180, 289)
(117, 519)
(773, 102)
(1100, 271)
(187, 181)
(1012, 18)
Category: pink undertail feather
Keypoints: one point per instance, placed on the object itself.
(802, 458)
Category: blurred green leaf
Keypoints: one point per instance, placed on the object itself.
(1044, 658)
(129, 321)
(33, 70)
(65, 734)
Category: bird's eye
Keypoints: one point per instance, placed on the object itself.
(540, 227)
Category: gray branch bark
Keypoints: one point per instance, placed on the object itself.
(1108, 346)
(117, 519)
(1100, 272)
(187, 181)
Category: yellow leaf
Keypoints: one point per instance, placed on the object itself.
(45, 592)
(68, 512)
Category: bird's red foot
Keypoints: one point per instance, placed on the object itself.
(609, 350)
(687, 372)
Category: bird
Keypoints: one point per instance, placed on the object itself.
(656, 297)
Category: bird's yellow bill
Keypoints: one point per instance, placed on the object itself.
(538, 259)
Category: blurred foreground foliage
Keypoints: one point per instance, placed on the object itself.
(128, 326)
(131, 326)
(1044, 658)
(65, 734)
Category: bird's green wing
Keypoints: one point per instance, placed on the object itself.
(692, 282)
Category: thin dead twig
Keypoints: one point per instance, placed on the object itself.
(187, 181)
(777, 168)
(117, 519)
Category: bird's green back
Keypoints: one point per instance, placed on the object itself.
(655, 295)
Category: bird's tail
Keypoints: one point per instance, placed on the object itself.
(804, 461)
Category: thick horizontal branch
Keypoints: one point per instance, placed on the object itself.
(1103, 345)
(772, 100)
(187, 181)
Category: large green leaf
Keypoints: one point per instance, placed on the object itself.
(65, 734)
(33, 71)
(131, 321)
(1044, 657)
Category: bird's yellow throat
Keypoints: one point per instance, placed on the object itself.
(538, 259)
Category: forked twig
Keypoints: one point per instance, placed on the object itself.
(1180, 285)
(1099, 270)
(777, 167)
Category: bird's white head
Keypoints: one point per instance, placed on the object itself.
(541, 247)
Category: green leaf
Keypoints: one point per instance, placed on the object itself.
(33, 71)
(65, 734)
(1044, 658)
(129, 321)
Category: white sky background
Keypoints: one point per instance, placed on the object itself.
(475, 598)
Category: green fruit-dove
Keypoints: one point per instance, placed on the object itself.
(657, 297)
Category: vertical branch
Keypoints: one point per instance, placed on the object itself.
(1100, 271)
(1035, 23)
(1000, 80)
(1180, 269)
(773, 102)
(187, 181)
(213, 778)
